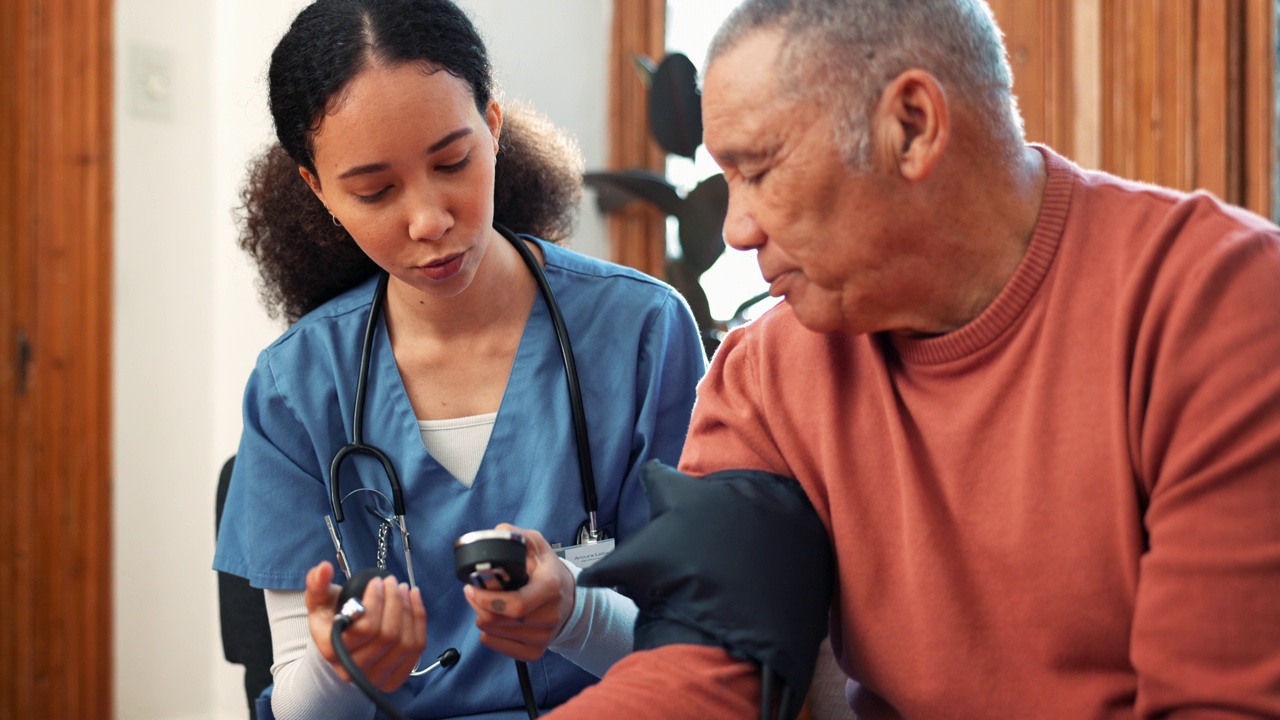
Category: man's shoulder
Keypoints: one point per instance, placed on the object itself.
(1098, 195)
(1164, 240)
(1123, 201)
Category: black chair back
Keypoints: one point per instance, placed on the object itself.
(246, 634)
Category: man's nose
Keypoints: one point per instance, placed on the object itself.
(741, 232)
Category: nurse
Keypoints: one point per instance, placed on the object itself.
(394, 157)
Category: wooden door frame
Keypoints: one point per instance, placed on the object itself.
(638, 232)
(55, 400)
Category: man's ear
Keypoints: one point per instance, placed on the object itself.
(914, 120)
(313, 182)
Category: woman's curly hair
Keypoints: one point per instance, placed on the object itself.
(303, 257)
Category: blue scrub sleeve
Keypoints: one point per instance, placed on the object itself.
(273, 523)
(671, 363)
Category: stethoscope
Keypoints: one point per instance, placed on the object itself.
(588, 532)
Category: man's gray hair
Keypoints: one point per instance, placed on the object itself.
(844, 53)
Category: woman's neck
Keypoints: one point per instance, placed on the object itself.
(500, 294)
(455, 354)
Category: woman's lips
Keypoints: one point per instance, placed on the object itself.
(443, 269)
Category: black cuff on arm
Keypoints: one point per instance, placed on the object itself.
(738, 559)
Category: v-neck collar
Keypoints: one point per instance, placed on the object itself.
(523, 385)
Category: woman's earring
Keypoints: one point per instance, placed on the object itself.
(334, 218)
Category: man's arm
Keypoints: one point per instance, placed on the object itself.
(1206, 630)
(696, 682)
(674, 682)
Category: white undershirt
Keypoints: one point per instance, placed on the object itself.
(458, 444)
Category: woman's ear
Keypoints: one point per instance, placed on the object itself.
(493, 118)
(313, 182)
(914, 119)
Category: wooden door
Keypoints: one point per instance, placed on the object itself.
(55, 351)
(1174, 92)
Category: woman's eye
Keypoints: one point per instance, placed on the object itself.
(375, 197)
(455, 167)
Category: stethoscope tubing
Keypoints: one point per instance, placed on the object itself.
(589, 501)
(358, 446)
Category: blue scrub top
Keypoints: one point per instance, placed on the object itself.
(639, 358)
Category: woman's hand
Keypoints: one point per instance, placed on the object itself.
(385, 642)
(521, 623)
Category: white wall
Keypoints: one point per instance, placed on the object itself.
(187, 321)
(553, 54)
(163, 363)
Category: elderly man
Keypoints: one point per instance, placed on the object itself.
(1037, 408)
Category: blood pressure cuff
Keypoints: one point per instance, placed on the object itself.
(738, 559)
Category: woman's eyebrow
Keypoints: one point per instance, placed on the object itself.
(435, 147)
(364, 170)
(447, 139)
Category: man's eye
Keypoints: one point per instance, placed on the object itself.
(375, 197)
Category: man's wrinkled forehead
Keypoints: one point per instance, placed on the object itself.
(740, 100)
(748, 17)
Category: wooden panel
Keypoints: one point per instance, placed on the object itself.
(1187, 95)
(1039, 37)
(55, 655)
(1149, 71)
(1259, 106)
(1086, 21)
(1216, 106)
(16, 313)
(638, 232)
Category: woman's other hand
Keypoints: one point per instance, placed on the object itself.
(385, 643)
(521, 623)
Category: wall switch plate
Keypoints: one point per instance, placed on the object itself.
(150, 82)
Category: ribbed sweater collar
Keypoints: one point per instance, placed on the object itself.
(1017, 293)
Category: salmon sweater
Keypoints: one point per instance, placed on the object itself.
(1068, 508)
